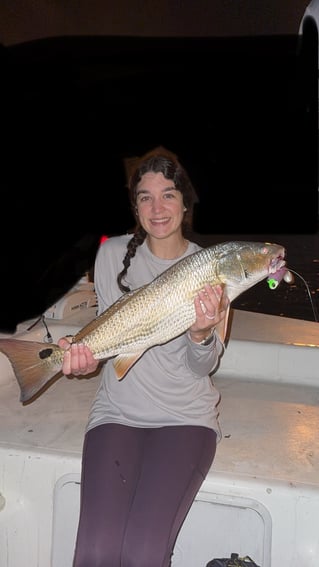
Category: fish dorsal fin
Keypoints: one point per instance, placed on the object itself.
(221, 328)
(123, 362)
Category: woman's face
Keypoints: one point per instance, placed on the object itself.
(159, 205)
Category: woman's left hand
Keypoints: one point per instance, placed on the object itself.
(210, 306)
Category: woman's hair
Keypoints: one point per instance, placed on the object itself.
(162, 161)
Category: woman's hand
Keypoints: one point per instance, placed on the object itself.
(210, 306)
(78, 359)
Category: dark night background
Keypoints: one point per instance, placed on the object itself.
(240, 112)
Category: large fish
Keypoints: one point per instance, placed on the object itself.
(152, 314)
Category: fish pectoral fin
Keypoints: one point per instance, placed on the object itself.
(221, 328)
(123, 362)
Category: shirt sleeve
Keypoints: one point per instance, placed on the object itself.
(106, 269)
(203, 359)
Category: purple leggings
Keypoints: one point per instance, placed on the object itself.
(137, 487)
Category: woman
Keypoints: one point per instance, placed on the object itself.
(151, 437)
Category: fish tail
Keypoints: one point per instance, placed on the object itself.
(33, 364)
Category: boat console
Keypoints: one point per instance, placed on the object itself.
(261, 496)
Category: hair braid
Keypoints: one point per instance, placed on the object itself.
(136, 240)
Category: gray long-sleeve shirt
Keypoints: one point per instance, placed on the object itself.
(170, 384)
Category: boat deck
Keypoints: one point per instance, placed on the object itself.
(269, 453)
(264, 410)
(269, 409)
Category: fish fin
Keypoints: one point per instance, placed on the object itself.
(123, 362)
(31, 364)
(221, 327)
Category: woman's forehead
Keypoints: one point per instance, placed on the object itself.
(152, 181)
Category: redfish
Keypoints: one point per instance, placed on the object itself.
(150, 315)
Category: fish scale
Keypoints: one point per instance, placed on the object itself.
(150, 315)
(165, 308)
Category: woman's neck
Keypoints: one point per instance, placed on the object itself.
(167, 249)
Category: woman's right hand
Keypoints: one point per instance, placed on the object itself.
(78, 359)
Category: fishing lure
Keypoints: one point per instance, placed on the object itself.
(282, 274)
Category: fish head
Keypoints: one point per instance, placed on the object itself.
(241, 265)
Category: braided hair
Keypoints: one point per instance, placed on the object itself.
(162, 161)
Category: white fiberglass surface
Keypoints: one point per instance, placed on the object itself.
(267, 460)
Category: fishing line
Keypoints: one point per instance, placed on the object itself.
(309, 294)
(48, 338)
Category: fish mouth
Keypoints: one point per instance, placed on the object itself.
(278, 267)
(276, 264)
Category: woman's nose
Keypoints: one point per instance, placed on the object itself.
(157, 204)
